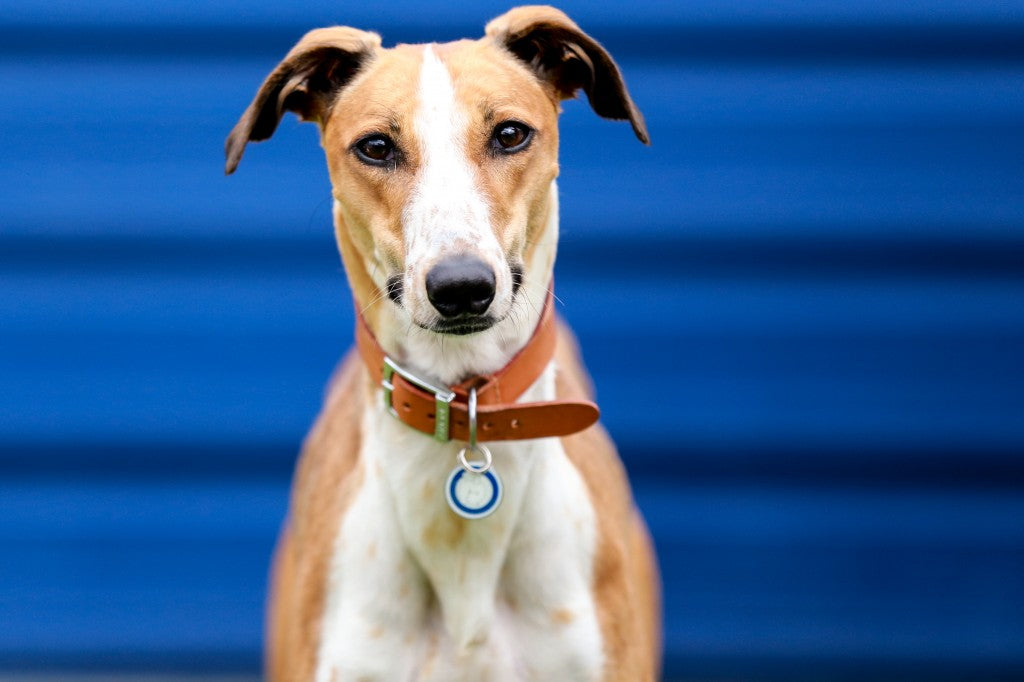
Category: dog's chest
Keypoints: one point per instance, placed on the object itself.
(417, 593)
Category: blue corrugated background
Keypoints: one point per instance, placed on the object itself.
(803, 307)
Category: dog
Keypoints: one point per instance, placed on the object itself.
(456, 513)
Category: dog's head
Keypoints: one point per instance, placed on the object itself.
(442, 157)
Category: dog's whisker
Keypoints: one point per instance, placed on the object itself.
(380, 296)
(529, 302)
(389, 289)
(551, 291)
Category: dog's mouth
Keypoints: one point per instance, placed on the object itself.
(461, 326)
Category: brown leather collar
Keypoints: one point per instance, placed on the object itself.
(444, 413)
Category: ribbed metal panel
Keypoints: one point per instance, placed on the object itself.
(817, 269)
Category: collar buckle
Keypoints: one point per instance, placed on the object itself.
(443, 397)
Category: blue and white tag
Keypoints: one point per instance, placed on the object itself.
(473, 495)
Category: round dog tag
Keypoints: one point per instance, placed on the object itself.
(473, 495)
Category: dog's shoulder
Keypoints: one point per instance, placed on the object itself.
(625, 575)
(591, 451)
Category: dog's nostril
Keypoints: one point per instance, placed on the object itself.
(461, 285)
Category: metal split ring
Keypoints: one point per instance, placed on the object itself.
(476, 467)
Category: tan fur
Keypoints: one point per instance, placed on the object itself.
(369, 201)
(494, 87)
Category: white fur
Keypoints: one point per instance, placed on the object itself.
(414, 593)
(401, 607)
(447, 214)
(450, 359)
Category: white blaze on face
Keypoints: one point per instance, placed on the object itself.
(446, 214)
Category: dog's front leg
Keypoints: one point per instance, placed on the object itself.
(377, 597)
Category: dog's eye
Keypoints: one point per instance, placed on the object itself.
(511, 136)
(376, 150)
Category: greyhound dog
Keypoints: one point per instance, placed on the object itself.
(456, 513)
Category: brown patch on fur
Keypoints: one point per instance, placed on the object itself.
(429, 491)
(370, 200)
(535, 232)
(446, 530)
(327, 477)
(562, 616)
(626, 583)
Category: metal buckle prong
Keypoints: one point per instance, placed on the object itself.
(443, 397)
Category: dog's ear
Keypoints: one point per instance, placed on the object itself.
(304, 82)
(566, 58)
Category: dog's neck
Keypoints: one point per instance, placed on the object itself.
(448, 360)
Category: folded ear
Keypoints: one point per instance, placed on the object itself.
(304, 82)
(567, 59)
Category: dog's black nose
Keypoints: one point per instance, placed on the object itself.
(461, 285)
